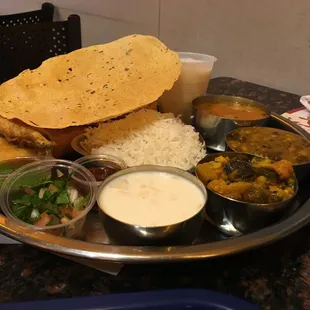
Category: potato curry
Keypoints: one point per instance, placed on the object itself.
(251, 180)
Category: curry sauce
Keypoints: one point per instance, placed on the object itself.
(234, 110)
(275, 144)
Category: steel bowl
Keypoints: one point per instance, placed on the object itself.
(246, 217)
(76, 144)
(301, 170)
(214, 128)
(184, 232)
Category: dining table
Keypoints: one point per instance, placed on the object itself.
(276, 276)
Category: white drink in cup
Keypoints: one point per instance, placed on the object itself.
(192, 83)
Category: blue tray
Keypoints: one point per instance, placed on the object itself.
(157, 300)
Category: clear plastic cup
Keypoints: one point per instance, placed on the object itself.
(192, 83)
(31, 174)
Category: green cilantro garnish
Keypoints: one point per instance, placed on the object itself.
(62, 198)
(48, 196)
(22, 212)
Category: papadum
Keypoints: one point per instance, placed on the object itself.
(91, 84)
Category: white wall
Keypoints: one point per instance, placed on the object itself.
(261, 41)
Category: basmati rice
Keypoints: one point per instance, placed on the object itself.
(147, 137)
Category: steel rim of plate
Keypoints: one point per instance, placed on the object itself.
(134, 254)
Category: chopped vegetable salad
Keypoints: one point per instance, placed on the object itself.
(52, 201)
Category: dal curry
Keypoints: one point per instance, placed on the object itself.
(273, 143)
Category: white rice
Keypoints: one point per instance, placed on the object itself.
(148, 137)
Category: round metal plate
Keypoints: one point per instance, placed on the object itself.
(134, 254)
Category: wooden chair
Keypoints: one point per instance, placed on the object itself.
(27, 46)
(46, 14)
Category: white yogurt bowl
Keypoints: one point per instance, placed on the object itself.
(152, 205)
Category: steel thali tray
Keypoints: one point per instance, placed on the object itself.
(210, 243)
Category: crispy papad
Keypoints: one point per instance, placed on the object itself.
(91, 84)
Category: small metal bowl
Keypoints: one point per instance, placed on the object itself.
(214, 128)
(184, 232)
(77, 146)
(246, 217)
(301, 170)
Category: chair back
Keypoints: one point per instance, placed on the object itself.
(46, 14)
(27, 46)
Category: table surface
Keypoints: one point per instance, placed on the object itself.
(275, 277)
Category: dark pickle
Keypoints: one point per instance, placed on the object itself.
(102, 173)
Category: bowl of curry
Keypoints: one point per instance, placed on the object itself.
(273, 143)
(214, 116)
(252, 192)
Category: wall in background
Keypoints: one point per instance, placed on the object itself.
(265, 42)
